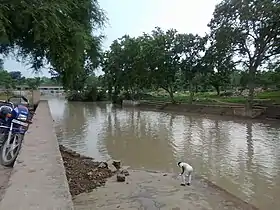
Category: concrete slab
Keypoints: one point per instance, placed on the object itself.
(150, 190)
(4, 179)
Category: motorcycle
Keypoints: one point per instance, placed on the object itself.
(14, 122)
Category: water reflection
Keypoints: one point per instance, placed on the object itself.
(240, 156)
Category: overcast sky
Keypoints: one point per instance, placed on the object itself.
(134, 17)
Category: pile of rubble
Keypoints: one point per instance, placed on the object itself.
(84, 174)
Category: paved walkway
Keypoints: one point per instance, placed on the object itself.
(4, 179)
(153, 191)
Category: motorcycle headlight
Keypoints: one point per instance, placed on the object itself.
(22, 117)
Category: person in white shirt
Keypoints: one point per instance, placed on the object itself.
(186, 172)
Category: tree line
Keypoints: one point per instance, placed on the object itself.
(58, 33)
(241, 50)
(9, 80)
(134, 65)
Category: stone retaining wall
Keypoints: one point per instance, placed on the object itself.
(225, 110)
(38, 180)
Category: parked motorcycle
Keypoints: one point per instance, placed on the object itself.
(13, 125)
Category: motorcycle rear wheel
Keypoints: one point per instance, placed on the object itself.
(8, 152)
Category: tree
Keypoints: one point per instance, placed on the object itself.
(50, 81)
(17, 77)
(134, 73)
(250, 29)
(235, 78)
(112, 66)
(160, 51)
(1, 64)
(55, 32)
(163, 59)
(33, 83)
(219, 67)
(6, 81)
(190, 48)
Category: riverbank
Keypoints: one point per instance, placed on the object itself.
(226, 109)
(141, 189)
(232, 97)
(266, 104)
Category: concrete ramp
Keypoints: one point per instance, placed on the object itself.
(152, 190)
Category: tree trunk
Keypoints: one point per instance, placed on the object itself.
(196, 88)
(115, 95)
(110, 93)
(172, 97)
(250, 98)
(191, 93)
(217, 87)
(170, 92)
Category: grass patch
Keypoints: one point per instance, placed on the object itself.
(182, 98)
(4, 97)
(267, 97)
(239, 100)
(165, 98)
(273, 96)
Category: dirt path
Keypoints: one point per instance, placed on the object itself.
(4, 179)
(149, 190)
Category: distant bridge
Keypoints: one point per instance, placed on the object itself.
(44, 89)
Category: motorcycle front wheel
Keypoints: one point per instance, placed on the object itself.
(10, 149)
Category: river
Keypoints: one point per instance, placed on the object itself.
(241, 156)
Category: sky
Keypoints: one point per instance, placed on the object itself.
(133, 17)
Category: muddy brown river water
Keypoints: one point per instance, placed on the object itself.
(241, 156)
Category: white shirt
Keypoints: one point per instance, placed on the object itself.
(188, 168)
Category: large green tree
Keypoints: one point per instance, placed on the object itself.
(161, 59)
(1, 64)
(160, 51)
(219, 67)
(55, 32)
(134, 72)
(112, 66)
(6, 81)
(250, 29)
(190, 47)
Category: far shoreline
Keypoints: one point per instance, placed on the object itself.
(262, 113)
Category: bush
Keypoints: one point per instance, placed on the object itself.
(75, 96)
(101, 96)
(92, 95)
(227, 94)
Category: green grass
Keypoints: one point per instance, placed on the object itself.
(3, 97)
(212, 98)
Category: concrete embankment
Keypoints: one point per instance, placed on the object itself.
(38, 180)
(212, 109)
